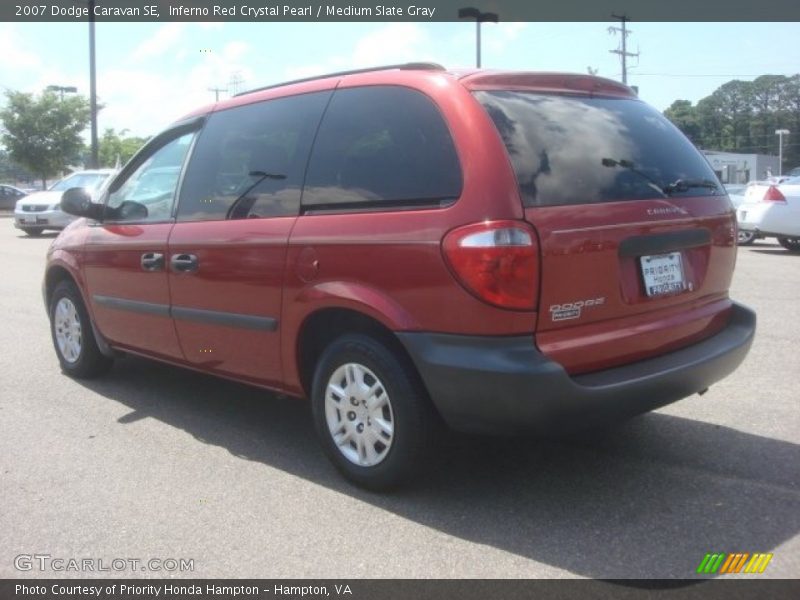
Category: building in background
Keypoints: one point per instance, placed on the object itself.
(731, 167)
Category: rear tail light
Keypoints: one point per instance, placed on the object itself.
(773, 194)
(497, 261)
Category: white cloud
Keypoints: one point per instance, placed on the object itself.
(12, 49)
(234, 51)
(395, 43)
(145, 100)
(390, 44)
(164, 39)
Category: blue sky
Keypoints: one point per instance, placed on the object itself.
(149, 74)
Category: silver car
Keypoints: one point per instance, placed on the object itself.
(40, 210)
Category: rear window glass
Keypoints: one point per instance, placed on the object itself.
(576, 150)
(381, 146)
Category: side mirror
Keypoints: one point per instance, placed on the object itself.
(78, 202)
(128, 211)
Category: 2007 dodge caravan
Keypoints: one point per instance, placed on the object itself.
(503, 252)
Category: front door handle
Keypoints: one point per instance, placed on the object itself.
(152, 261)
(184, 263)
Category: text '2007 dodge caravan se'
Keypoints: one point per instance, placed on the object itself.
(506, 252)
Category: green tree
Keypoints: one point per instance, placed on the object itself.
(742, 116)
(791, 148)
(44, 134)
(734, 101)
(711, 119)
(684, 116)
(767, 102)
(117, 149)
(11, 171)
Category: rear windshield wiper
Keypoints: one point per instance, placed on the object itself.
(684, 185)
(679, 185)
(626, 164)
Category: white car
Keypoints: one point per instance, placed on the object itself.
(771, 210)
(40, 210)
(735, 192)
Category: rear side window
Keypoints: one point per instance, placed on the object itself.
(382, 146)
(576, 150)
(249, 161)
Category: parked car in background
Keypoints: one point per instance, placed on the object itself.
(735, 192)
(794, 172)
(771, 210)
(40, 211)
(406, 246)
(9, 196)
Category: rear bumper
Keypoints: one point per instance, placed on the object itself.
(767, 219)
(505, 385)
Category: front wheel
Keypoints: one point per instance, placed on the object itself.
(372, 415)
(72, 333)
(792, 244)
(746, 238)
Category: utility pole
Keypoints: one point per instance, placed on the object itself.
(216, 91)
(623, 50)
(93, 86)
(236, 83)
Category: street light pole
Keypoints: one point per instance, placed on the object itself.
(480, 17)
(92, 85)
(478, 43)
(780, 133)
(61, 89)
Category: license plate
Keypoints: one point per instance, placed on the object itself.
(663, 274)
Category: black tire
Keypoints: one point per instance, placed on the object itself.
(413, 418)
(792, 244)
(33, 231)
(90, 362)
(746, 238)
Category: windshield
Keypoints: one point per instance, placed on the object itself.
(575, 150)
(90, 181)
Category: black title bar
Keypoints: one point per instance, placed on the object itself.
(394, 589)
(264, 11)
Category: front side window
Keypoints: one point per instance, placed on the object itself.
(575, 150)
(148, 193)
(90, 181)
(249, 161)
(382, 146)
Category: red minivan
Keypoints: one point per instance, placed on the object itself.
(406, 246)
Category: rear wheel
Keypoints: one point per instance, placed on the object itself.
(72, 333)
(33, 231)
(371, 413)
(746, 238)
(792, 244)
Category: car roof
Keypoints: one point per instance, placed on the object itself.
(472, 79)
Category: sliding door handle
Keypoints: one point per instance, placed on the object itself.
(184, 263)
(152, 261)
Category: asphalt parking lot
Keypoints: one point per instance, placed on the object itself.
(154, 462)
